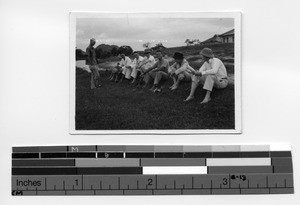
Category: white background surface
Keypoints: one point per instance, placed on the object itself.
(34, 86)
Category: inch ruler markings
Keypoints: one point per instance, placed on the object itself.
(152, 170)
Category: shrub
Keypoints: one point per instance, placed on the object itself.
(127, 50)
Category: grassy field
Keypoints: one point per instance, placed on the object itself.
(117, 106)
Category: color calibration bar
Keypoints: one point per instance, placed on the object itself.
(127, 170)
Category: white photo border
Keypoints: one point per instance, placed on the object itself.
(237, 72)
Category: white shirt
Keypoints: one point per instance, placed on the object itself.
(136, 62)
(151, 61)
(126, 62)
(184, 67)
(214, 67)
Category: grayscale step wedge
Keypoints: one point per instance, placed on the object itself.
(118, 170)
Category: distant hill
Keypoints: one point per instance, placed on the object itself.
(220, 50)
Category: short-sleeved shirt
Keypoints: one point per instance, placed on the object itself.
(136, 62)
(91, 56)
(151, 62)
(163, 63)
(214, 67)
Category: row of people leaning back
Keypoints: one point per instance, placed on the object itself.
(212, 74)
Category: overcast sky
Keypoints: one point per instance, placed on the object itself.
(134, 32)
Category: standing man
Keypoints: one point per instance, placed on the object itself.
(159, 71)
(180, 70)
(91, 60)
(136, 64)
(213, 73)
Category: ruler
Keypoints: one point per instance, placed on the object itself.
(152, 170)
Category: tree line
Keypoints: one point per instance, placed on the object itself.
(105, 51)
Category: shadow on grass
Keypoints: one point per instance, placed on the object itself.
(120, 106)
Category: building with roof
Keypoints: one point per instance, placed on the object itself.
(215, 39)
(227, 37)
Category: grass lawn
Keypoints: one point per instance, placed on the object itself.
(119, 106)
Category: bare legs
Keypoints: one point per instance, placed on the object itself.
(193, 89)
(206, 98)
(176, 82)
(95, 77)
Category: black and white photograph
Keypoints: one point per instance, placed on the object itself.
(155, 73)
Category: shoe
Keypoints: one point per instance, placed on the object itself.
(157, 90)
(152, 88)
(171, 86)
(205, 101)
(188, 99)
(174, 88)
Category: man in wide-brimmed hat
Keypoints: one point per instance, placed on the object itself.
(180, 70)
(92, 62)
(212, 74)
